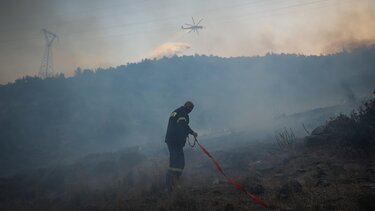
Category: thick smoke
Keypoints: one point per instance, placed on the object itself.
(168, 50)
(352, 28)
(320, 30)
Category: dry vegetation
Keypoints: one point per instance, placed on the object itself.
(331, 169)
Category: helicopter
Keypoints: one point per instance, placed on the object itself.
(192, 27)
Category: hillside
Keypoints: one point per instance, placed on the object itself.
(59, 120)
(327, 170)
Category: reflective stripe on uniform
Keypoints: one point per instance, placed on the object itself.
(175, 169)
(181, 119)
(173, 114)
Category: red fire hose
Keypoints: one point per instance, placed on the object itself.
(231, 181)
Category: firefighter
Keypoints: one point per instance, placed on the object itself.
(177, 132)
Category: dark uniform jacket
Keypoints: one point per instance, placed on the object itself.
(178, 127)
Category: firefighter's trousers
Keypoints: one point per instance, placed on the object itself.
(176, 165)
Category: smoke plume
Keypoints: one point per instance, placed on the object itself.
(168, 50)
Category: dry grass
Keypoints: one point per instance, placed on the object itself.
(286, 140)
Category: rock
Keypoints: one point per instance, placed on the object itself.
(319, 131)
(229, 207)
(316, 140)
(370, 186)
(278, 175)
(253, 183)
(367, 201)
(217, 192)
(301, 170)
(323, 183)
(321, 176)
(256, 189)
(371, 171)
(289, 189)
(264, 167)
(320, 172)
(216, 181)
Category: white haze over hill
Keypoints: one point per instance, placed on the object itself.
(242, 94)
(61, 119)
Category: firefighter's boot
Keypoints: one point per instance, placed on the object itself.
(171, 179)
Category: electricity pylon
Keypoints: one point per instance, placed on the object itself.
(46, 68)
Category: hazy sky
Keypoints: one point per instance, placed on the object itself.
(103, 33)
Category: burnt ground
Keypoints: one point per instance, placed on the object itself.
(299, 177)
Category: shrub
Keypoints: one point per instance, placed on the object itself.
(354, 132)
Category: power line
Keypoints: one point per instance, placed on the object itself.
(173, 18)
(58, 15)
(116, 6)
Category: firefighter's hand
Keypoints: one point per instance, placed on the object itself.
(195, 135)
